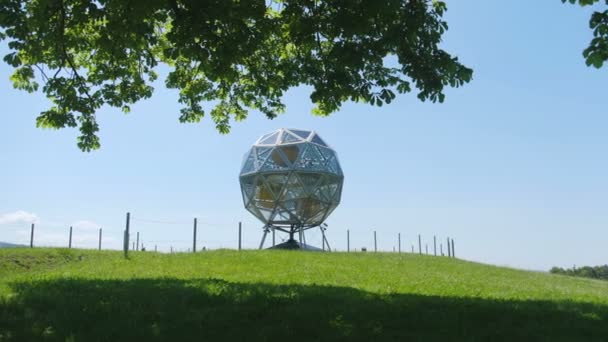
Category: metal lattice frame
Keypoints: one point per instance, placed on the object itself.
(291, 180)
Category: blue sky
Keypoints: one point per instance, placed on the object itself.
(512, 166)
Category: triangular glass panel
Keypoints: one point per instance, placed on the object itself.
(262, 154)
(267, 214)
(287, 138)
(326, 152)
(310, 181)
(317, 140)
(333, 166)
(252, 209)
(275, 162)
(332, 191)
(302, 134)
(249, 164)
(279, 158)
(285, 216)
(317, 218)
(270, 140)
(276, 183)
(263, 137)
(293, 189)
(291, 152)
(311, 159)
(320, 193)
(263, 197)
(247, 188)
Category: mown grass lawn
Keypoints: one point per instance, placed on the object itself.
(78, 295)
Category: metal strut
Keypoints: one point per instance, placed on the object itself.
(266, 231)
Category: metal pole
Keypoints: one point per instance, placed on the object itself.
(453, 253)
(263, 237)
(273, 238)
(99, 239)
(240, 236)
(32, 237)
(137, 243)
(70, 242)
(441, 248)
(155, 249)
(375, 243)
(125, 246)
(434, 245)
(399, 239)
(348, 240)
(449, 253)
(322, 237)
(412, 248)
(326, 242)
(426, 248)
(419, 244)
(194, 237)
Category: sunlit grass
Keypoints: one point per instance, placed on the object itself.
(54, 294)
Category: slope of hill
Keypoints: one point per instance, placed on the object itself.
(78, 295)
(9, 245)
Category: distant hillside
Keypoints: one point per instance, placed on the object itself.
(9, 245)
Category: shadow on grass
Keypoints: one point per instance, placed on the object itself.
(215, 310)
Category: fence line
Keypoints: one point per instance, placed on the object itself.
(137, 228)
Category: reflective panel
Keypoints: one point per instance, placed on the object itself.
(287, 138)
(270, 140)
(249, 165)
(311, 159)
(262, 154)
(291, 152)
(302, 134)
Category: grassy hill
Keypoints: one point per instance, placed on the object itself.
(77, 295)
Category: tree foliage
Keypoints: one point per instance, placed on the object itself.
(594, 272)
(597, 51)
(230, 55)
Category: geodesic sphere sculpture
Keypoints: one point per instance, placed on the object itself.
(291, 177)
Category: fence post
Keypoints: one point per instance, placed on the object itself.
(125, 246)
(434, 245)
(137, 243)
(32, 237)
(348, 240)
(399, 239)
(375, 243)
(453, 253)
(419, 245)
(99, 239)
(194, 238)
(449, 252)
(70, 242)
(240, 233)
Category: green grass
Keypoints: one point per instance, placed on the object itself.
(77, 295)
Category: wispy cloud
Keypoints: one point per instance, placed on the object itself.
(19, 216)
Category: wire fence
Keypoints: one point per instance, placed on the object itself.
(195, 235)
